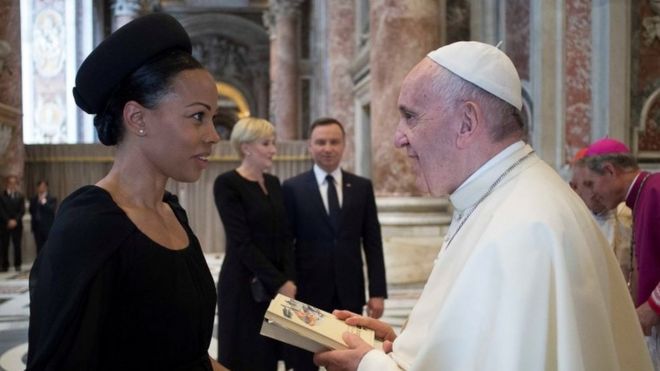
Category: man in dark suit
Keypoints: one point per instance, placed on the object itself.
(333, 217)
(42, 211)
(12, 209)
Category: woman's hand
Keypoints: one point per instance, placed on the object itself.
(288, 289)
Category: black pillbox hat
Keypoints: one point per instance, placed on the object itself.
(123, 52)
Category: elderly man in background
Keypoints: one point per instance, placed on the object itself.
(616, 223)
(524, 279)
(613, 176)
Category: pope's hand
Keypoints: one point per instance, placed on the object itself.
(344, 360)
(383, 330)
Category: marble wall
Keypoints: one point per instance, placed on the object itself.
(10, 33)
(577, 51)
(11, 162)
(401, 33)
(517, 35)
(341, 49)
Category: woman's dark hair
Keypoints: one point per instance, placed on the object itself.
(147, 85)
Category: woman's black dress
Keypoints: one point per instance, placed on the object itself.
(106, 297)
(258, 245)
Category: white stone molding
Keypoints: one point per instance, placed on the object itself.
(610, 72)
(547, 79)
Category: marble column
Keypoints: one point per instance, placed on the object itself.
(577, 41)
(124, 11)
(283, 27)
(12, 157)
(402, 33)
(340, 53)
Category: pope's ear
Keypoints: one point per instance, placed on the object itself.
(470, 119)
(134, 116)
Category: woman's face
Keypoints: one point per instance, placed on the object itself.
(179, 131)
(259, 154)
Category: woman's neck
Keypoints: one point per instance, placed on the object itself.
(250, 172)
(133, 188)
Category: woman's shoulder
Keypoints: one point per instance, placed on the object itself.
(89, 197)
(230, 176)
(271, 178)
(90, 208)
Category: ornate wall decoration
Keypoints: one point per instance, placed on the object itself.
(51, 115)
(236, 52)
(220, 54)
(48, 42)
(645, 77)
(9, 121)
(651, 24)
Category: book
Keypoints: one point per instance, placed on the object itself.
(307, 327)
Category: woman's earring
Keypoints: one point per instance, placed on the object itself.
(141, 132)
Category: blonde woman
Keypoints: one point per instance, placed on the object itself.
(259, 254)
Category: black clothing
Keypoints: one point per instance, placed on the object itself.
(258, 245)
(106, 297)
(329, 261)
(42, 217)
(12, 206)
(334, 211)
(328, 254)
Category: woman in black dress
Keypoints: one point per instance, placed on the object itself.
(122, 283)
(259, 255)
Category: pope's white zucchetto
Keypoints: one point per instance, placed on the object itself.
(483, 65)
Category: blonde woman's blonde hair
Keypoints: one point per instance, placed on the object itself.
(249, 129)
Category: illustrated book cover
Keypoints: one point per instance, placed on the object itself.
(307, 327)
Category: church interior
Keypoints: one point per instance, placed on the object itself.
(589, 69)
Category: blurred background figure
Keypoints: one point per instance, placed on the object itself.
(615, 223)
(42, 212)
(613, 176)
(335, 223)
(259, 255)
(12, 209)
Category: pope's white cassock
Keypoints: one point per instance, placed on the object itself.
(527, 283)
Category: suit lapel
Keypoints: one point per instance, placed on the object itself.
(347, 195)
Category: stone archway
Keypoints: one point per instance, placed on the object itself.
(236, 51)
(232, 106)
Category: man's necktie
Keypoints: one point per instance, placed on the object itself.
(333, 201)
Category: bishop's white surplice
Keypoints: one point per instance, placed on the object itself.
(527, 283)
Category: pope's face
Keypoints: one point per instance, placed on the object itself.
(426, 130)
